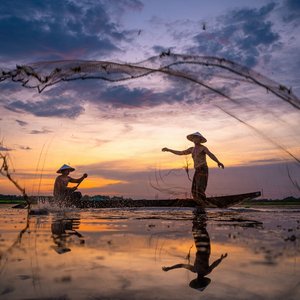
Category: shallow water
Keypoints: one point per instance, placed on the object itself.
(119, 254)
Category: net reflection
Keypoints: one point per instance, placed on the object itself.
(201, 265)
(17, 244)
(63, 229)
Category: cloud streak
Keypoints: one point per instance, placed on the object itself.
(26, 148)
(43, 131)
(52, 107)
(2, 148)
(21, 123)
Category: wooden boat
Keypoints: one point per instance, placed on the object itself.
(221, 202)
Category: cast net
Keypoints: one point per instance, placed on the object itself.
(197, 69)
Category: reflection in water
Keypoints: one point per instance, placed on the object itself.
(63, 229)
(15, 244)
(125, 249)
(201, 265)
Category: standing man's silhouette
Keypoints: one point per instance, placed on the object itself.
(199, 153)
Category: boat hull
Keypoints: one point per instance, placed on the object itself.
(221, 202)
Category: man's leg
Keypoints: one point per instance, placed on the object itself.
(199, 185)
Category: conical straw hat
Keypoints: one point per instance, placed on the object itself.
(197, 135)
(65, 167)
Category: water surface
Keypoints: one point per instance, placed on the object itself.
(120, 254)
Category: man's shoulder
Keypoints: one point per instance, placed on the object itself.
(203, 148)
(62, 177)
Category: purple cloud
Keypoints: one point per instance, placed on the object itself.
(2, 148)
(243, 35)
(25, 148)
(21, 123)
(53, 29)
(53, 107)
(44, 131)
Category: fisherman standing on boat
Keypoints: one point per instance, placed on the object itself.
(199, 153)
(62, 193)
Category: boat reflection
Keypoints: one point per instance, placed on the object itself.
(63, 228)
(201, 266)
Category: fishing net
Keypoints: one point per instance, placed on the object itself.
(197, 69)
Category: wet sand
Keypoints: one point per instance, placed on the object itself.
(119, 254)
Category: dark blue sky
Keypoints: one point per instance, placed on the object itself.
(261, 35)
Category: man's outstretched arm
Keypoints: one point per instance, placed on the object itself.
(217, 262)
(177, 152)
(214, 158)
(178, 266)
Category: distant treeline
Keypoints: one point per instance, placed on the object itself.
(18, 198)
(290, 200)
(11, 197)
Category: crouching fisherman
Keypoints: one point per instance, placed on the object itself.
(63, 194)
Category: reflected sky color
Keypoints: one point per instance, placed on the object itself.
(115, 132)
(120, 254)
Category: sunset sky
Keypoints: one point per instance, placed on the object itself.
(115, 132)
